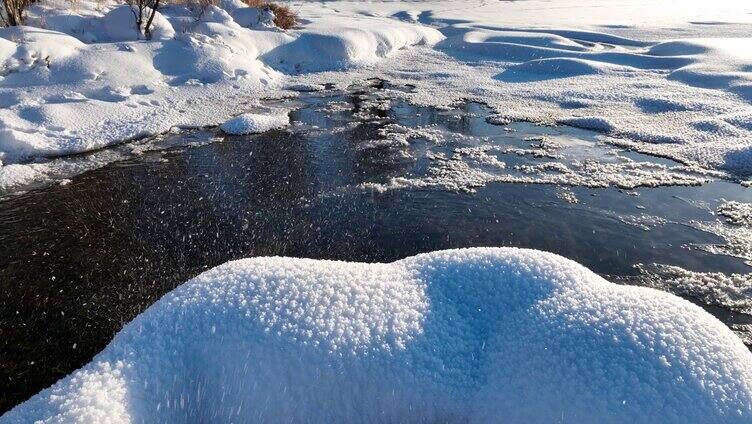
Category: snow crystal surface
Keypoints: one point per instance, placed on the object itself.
(737, 213)
(737, 239)
(477, 335)
(251, 17)
(464, 169)
(252, 123)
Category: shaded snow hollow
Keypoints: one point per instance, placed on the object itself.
(476, 335)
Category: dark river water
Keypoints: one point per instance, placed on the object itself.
(78, 260)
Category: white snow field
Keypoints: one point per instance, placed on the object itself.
(476, 335)
(670, 78)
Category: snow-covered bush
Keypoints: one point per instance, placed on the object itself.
(189, 17)
(144, 9)
(284, 17)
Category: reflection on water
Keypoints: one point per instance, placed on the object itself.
(80, 260)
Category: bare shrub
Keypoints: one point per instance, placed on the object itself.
(13, 12)
(142, 8)
(284, 17)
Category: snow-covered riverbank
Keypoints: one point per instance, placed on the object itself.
(673, 80)
(85, 82)
(676, 83)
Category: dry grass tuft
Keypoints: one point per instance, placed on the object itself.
(284, 17)
(255, 3)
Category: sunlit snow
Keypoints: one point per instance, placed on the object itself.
(478, 335)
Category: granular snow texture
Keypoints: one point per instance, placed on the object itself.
(251, 123)
(478, 335)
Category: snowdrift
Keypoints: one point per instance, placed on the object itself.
(686, 99)
(323, 48)
(477, 335)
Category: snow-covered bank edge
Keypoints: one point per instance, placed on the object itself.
(86, 83)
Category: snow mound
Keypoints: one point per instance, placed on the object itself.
(523, 47)
(7, 48)
(23, 49)
(738, 160)
(185, 18)
(719, 63)
(477, 335)
(252, 123)
(523, 38)
(323, 48)
(119, 24)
